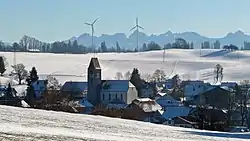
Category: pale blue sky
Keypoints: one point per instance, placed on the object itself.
(50, 20)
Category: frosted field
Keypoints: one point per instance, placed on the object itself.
(29, 124)
(188, 63)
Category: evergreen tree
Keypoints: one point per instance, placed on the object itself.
(9, 91)
(33, 77)
(30, 95)
(118, 49)
(136, 80)
(144, 47)
(2, 65)
(104, 47)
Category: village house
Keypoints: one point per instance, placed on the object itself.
(218, 97)
(165, 100)
(105, 91)
(193, 88)
(122, 90)
(8, 96)
(144, 109)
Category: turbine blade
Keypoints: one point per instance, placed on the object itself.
(140, 27)
(95, 21)
(132, 28)
(87, 23)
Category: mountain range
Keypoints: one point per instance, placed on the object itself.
(129, 42)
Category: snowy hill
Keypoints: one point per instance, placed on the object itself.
(30, 124)
(191, 64)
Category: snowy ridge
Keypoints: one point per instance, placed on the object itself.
(32, 124)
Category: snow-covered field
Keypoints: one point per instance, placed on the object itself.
(189, 63)
(30, 124)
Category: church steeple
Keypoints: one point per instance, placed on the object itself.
(94, 81)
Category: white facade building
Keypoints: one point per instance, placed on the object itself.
(122, 90)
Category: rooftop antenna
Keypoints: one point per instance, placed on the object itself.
(137, 26)
(92, 33)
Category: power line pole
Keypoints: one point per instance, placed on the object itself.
(14, 58)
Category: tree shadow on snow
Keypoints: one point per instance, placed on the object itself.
(221, 134)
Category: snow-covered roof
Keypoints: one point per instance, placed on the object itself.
(20, 89)
(144, 99)
(161, 94)
(6, 80)
(116, 85)
(147, 105)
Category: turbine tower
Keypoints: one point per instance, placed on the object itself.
(92, 32)
(137, 26)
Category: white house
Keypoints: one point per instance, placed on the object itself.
(193, 88)
(165, 100)
(122, 90)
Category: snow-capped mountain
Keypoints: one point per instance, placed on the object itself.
(129, 42)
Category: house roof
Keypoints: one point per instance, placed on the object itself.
(172, 112)
(94, 63)
(116, 85)
(229, 84)
(167, 100)
(147, 105)
(71, 86)
(20, 89)
(86, 103)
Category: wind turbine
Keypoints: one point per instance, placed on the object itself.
(137, 26)
(92, 31)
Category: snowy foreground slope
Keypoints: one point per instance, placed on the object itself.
(31, 124)
(191, 64)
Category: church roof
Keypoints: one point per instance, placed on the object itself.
(74, 86)
(94, 63)
(116, 85)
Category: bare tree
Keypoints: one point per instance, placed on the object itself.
(119, 76)
(218, 73)
(53, 83)
(147, 77)
(159, 75)
(19, 72)
(24, 42)
(127, 75)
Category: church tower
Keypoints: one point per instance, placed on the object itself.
(94, 81)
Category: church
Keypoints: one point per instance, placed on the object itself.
(106, 91)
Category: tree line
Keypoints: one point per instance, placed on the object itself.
(30, 44)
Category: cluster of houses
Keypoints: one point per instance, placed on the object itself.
(161, 107)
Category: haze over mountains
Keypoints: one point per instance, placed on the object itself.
(237, 38)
